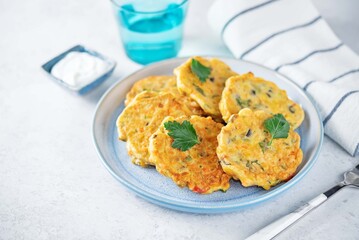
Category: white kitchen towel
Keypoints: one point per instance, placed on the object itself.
(290, 37)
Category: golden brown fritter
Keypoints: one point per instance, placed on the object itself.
(162, 84)
(198, 168)
(151, 83)
(207, 94)
(142, 117)
(242, 157)
(248, 91)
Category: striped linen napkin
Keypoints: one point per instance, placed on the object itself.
(290, 37)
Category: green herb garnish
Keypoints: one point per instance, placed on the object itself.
(243, 103)
(200, 90)
(250, 164)
(200, 70)
(184, 135)
(263, 145)
(278, 127)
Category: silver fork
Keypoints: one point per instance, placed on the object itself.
(350, 178)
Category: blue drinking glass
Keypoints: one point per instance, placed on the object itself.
(151, 30)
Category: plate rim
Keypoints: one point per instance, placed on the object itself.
(193, 207)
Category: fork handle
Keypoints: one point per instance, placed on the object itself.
(278, 226)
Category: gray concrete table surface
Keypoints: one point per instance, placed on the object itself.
(52, 184)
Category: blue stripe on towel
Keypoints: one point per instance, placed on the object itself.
(344, 74)
(279, 33)
(309, 55)
(334, 79)
(338, 105)
(245, 11)
(307, 85)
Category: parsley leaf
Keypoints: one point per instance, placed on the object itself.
(184, 135)
(200, 70)
(277, 126)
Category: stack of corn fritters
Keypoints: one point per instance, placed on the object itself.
(242, 102)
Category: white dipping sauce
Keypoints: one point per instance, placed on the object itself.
(79, 68)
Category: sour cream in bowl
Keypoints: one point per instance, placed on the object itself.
(79, 69)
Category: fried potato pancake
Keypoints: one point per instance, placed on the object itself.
(248, 91)
(198, 168)
(141, 118)
(207, 94)
(151, 83)
(163, 84)
(242, 157)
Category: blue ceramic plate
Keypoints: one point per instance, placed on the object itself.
(150, 185)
